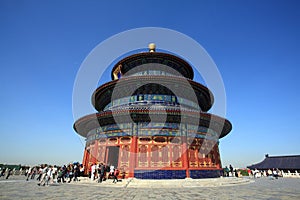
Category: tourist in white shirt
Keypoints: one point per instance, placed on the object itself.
(93, 170)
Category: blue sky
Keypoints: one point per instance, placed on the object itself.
(255, 44)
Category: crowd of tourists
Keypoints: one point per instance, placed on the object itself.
(48, 174)
(102, 172)
(274, 173)
(231, 172)
(5, 172)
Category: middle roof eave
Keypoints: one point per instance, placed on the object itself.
(126, 86)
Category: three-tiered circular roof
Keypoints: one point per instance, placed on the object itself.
(126, 74)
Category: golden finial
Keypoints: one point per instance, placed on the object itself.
(151, 47)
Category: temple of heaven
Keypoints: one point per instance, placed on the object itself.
(152, 121)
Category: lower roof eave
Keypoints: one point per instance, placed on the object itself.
(83, 125)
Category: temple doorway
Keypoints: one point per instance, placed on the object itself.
(112, 155)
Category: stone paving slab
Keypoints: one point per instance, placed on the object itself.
(262, 188)
(171, 183)
(178, 183)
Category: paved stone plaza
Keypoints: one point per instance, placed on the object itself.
(223, 188)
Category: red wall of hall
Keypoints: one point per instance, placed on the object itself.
(156, 152)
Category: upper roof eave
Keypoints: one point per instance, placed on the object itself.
(188, 68)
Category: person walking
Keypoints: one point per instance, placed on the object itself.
(61, 174)
(231, 170)
(107, 171)
(49, 177)
(226, 171)
(9, 173)
(28, 173)
(93, 172)
(76, 172)
(3, 172)
(101, 171)
(81, 170)
(43, 178)
(34, 171)
(115, 174)
(111, 170)
(70, 170)
(40, 173)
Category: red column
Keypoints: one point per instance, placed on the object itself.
(185, 156)
(84, 156)
(96, 150)
(133, 156)
(217, 157)
(85, 161)
(93, 153)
